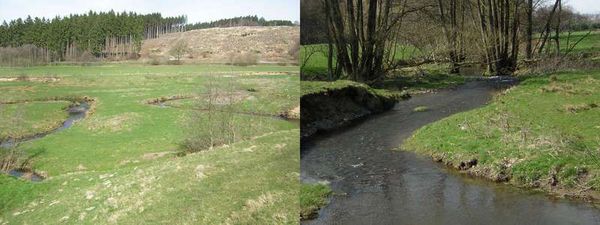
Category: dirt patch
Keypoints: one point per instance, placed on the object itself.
(225, 98)
(30, 79)
(218, 45)
(163, 99)
(218, 98)
(292, 113)
(266, 73)
(200, 171)
(155, 155)
(253, 206)
(335, 108)
(115, 123)
(576, 108)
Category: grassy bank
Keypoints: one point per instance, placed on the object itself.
(27, 119)
(541, 134)
(312, 198)
(220, 186)
(318, 87)
(124, 151)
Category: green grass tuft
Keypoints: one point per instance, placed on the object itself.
(312, 198)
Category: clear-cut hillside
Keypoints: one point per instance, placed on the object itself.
(220, 45)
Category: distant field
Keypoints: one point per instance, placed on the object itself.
(119, 164)
(317, 62)
(588, 45)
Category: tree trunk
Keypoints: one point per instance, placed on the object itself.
(529, 49)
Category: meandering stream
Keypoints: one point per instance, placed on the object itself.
(376, 185)
(76, 112)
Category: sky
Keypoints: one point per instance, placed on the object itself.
(585, 6)
(196, 10)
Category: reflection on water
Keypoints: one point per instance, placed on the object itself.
(382, 186)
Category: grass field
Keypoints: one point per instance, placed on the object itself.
(19, 120)
(589, 45)
(118, 164)
(316, 57)
(541, 134)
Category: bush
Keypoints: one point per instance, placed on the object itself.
(26, 55)
(179, 50)
(23, 77)
(212, 126)
(174, 62)
(157, 60)
(243, 59)
(11, 158)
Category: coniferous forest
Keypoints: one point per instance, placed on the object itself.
(239, 21)
(96, 35)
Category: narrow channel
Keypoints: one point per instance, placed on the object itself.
(375, 184)
(76, 111)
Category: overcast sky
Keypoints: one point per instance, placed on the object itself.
(196, 10)
(585, 6)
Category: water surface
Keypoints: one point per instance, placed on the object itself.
(376, 185)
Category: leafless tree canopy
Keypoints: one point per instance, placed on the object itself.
(364, 36)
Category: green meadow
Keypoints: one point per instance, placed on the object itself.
(124, 160)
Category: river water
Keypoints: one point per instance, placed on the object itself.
(373, 184)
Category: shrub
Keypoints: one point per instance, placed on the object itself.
(157, 60)
(212, 126)
(11, 158)
(23, 77)
(179, 50)
(243, 59)
(174, 62)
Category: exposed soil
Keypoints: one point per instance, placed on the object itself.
(335, 108)
(219, 45)
(501, 173)
(292, 113)
(30, 79)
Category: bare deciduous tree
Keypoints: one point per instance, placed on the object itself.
(363, 34)
(179, 50)
(499, 26)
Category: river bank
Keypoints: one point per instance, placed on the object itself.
(539, 135)
(372, 183)
(331, 105)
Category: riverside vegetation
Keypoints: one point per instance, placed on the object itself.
(554, 149)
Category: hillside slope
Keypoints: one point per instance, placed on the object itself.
(219, 45)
